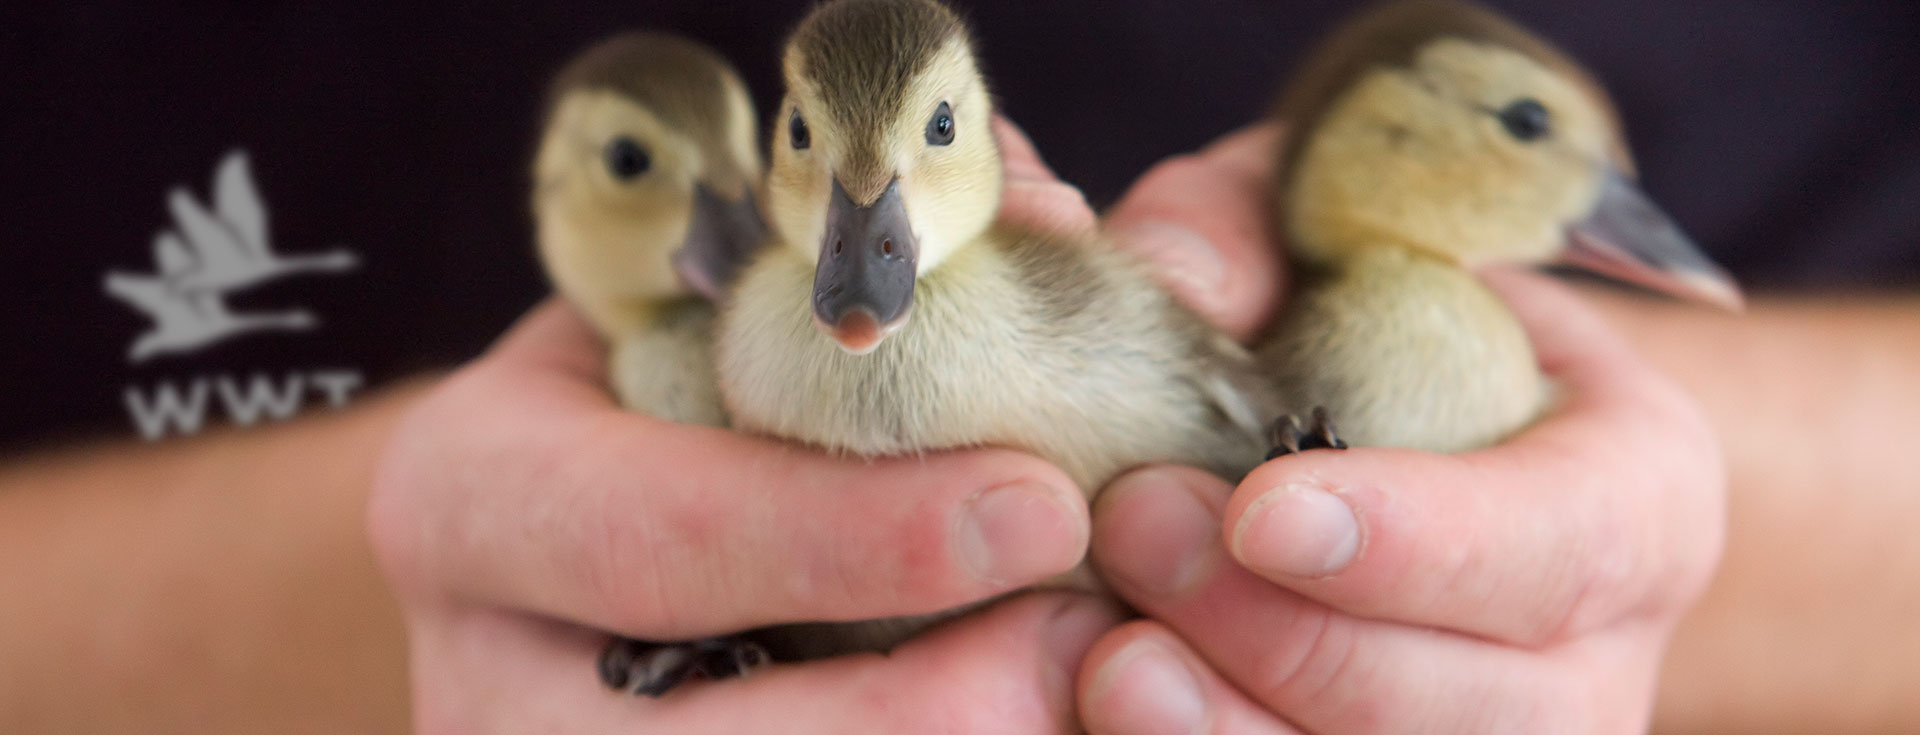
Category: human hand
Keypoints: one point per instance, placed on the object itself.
(1528, 587)
(518, 513)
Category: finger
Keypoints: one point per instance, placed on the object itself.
(577, 510)
(1009, 668)
(1140, 679)
(1018, 156)
(1033, 196)
(1203, 221)
(1328, 671)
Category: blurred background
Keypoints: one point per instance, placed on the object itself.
(1780, 133)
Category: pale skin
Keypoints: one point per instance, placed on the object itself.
(1806, 396)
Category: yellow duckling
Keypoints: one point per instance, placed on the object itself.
(644, 202)
(893, 316)
(1432, 138)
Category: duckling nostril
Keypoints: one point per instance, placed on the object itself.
(886, 246)
(836, 248)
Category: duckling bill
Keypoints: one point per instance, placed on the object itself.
(1629, 238)
(721, 237)
(863, 285)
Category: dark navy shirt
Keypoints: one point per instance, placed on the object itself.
(1784, 134)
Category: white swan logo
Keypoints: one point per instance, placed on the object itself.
(206, 255)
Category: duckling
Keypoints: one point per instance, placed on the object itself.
(893, 316)
(1435, 138)
(644, 203)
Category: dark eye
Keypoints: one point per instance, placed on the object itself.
(940, 128)
(626, 160)
(797, 132)
(1526, 119)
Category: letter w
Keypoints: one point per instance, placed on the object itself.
(260, 398)
(167, 407)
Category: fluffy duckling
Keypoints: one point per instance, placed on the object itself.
(893, 316)
(645, 211)
(1434, 138)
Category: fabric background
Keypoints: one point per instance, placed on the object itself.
(1780, 133)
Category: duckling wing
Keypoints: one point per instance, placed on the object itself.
(1167, 385)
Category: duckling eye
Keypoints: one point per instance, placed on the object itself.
(625, 159)
(797, 132)
(1526, 119)
(940, 128)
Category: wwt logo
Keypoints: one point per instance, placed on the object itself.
(204, 256)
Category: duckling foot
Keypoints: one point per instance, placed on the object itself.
(1288, 436)
(644, 667)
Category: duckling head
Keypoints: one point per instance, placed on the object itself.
(650, 149)
(883, 164)
(1442, 128)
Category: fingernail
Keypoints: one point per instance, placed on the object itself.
(1156, 536)
(1297, 531)
(1179, 255)
(1146, 689)
(1019, 533)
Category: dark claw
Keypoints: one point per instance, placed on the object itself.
(653, 669)
(615, 662)
(733, 657)
(1287, 436)
(641, 667)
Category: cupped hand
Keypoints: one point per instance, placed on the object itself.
(1528, 587)
(521, 517)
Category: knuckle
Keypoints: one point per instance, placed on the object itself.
(1606, 583)
(639, 557)
(909, 561)
(875, 558)
(391, 527)
(1656, 536)
(1695, 567)
(1606, 574)
(397, 518)
(1696, 497)
(634, 580)
(839, 576)
(1312, 659)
